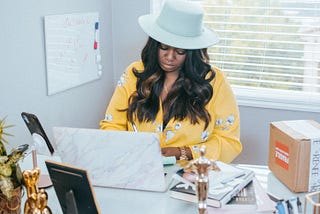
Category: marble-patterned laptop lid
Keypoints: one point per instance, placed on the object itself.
(119, 159)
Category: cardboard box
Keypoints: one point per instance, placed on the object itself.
(294, 154)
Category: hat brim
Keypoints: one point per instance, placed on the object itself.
(149, 25)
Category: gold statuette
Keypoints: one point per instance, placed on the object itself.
(37, 199)
(201, 167)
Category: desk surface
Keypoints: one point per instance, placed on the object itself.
(111, 200)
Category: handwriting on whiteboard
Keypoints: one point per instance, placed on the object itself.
(70, 56)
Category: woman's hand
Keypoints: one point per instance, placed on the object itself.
(171, 151)
(175, 151)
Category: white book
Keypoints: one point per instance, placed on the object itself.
(223, 185)
(262, 202)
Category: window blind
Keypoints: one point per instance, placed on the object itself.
(269, 50)
(268, 47)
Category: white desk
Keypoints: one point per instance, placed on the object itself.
(271, 184)
(118, 201)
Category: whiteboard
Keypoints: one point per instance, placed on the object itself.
(72, 50)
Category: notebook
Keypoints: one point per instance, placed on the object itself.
(119, 159)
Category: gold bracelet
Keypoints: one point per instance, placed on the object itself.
(183, 153)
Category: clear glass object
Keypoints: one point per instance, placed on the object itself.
(312, 203)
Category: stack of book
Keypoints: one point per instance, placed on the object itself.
(223, 185)
(230, 189)
(244, 205)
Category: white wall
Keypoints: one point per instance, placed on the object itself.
(23, 72)
(23, 68)
(129, 38)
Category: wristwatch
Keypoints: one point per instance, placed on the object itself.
(183, 153)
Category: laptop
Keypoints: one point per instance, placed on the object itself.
(119, 159)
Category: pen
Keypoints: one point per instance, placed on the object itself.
(289, 206)
(280, 208)
(299, 205)
(285, 206)
(294, 205)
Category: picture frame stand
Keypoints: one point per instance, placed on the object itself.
(71, 203)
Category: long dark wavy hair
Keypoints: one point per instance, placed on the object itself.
(188, 97)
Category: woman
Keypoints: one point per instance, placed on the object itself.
(174, 91)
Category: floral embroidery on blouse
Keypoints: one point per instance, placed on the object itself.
(219, 121)
(177, 126)
(122, 79)
(159, 128)
(230, 120)
(205, 135)
(195, 149)
(108, 117)
(169, 135)
(224, 124)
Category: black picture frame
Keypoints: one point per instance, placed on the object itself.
(73, 188)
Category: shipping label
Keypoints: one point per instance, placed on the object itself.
(282, 155)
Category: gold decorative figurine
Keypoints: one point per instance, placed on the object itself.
(201, 167)
(37, 199)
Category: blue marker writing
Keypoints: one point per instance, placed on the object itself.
(96, 34)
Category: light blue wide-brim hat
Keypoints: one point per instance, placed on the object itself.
(179, 24)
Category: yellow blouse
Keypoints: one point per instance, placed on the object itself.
(221, 136)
